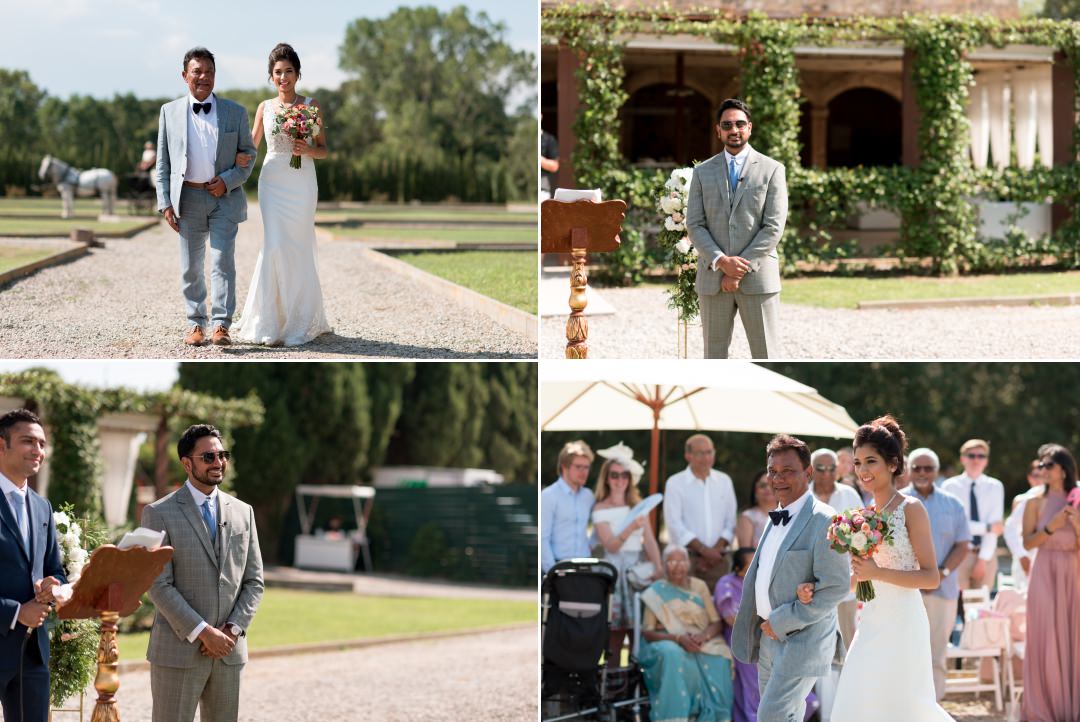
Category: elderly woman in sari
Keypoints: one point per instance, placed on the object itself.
(686, 662)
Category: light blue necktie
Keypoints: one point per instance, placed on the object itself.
(209, 519)
(733, 175)
(19, 504)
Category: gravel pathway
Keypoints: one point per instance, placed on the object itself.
(644, 327)
(489, 676)
(124, 301)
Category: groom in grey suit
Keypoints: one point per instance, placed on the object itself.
(793, 643)
(200, 191)
(735, 216)
(207, 595)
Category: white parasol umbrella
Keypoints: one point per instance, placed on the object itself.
(600, 395)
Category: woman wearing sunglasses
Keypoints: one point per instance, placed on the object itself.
(616, 494)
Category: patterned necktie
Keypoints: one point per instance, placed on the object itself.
(209, 519)
(733, 176)
(974, 513)
(18, 503)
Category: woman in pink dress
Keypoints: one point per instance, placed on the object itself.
(1052, 654)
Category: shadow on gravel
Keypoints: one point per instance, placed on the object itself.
(355, 346)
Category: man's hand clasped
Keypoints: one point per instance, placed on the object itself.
(733, 268)
(216, 643)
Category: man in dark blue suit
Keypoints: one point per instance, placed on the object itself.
(29, 570)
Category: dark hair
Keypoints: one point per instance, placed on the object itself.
(12, 418)
(1060, 456)
(199, 52)
(785, 442)
(283, 51)
(741, 558)
(752, 501)
(886, 436)
(192, 434)
(733, 103)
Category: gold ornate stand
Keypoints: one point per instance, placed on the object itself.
(577, 326)
(107, 681)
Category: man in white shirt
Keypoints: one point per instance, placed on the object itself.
(1014, 527)
(983, 498)
(700, 510)
(565, 507)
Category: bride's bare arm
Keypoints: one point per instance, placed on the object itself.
(258, 131)
(927, 575)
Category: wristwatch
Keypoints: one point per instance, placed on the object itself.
(236, 630)
(945, 571)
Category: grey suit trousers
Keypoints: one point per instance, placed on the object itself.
(211, 684)
(760, 314)
(783, 696)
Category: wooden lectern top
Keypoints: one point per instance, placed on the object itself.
(113, 580)
(601, 221)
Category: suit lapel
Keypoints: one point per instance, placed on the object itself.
(180, 123)
(751, 159)
(797, 525)
(225, 523)
(12, 525)
(191, 512)
(224, 118)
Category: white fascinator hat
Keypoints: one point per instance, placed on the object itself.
(624, 456)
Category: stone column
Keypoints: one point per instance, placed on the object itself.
(120, 436)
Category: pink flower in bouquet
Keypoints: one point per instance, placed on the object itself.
(300, 122)
(866, 531)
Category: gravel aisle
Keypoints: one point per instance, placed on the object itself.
(124, 301)
(490, 676)
(644, 327)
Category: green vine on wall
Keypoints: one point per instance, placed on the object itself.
(934, 200)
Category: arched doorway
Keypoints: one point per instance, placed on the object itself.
(864, 129)
(667, 124)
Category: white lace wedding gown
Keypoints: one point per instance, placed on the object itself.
(284, 304)
(887, 675)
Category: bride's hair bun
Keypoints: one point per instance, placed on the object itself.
(886, 436)
(283, 51)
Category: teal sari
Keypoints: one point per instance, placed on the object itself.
(684, 685)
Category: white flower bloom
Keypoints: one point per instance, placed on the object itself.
(684, 175)
(75, 529)
(680, 227)
(70, 540)
(684, 245)
(670, 204)
(677, 217)
(77, 555)
(858, 541)
(669, 224)
(74, 571)
(60, 518)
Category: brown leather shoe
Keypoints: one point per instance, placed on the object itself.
(221, 336)
(195, 336)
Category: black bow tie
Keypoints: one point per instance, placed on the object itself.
(779, 517)
(204, 107)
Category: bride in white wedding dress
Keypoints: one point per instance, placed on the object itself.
(284, 304)
(887, 675)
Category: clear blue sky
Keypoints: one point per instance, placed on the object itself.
(119, 46)
(137, 375)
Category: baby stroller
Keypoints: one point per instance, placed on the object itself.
(576, 604)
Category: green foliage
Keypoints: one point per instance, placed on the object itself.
(933, 200)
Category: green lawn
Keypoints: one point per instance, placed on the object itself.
(15, 256)
(88, 207)
(288, 617)
(60, 227)
(508, 276)
(518, 236)
(404, 214)
(840, 292)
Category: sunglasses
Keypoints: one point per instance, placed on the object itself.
(728, 125)
(928, 469)
(1046, 464)
(209, 456)
(819, 467)
(619, 475)
(976, 456)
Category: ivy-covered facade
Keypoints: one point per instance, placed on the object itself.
(931, 190)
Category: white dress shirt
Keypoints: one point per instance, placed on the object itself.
(7, 486)
(990, 494)
(702, 509)
(740, 161)
(774, 537)
(1014, 536)
(202, 140)
(200, 498)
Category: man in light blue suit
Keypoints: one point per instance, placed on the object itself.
(793, 643)
(30, 569)
(200, 191)
(736, 211)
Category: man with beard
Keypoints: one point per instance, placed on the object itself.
(207, 595)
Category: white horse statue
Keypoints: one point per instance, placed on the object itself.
(84, 183)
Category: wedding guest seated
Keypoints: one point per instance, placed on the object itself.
(728, 598)
(752, 520)
(687, 664)
(625, 548)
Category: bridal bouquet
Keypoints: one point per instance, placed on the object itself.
(859, 532)
(671, 204)
(299, 122)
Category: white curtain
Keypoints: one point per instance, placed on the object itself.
(1026, 94)
(979, 116)
(997, 88)
(1045, 114)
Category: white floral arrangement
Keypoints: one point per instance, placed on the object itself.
(672, 206)
(69, 536)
